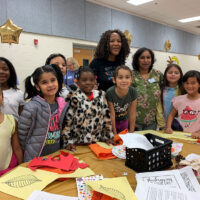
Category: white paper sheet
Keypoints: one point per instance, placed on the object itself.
(40, 195)
(149, 192)
(190, 179)
(192, 157)
(170, 179)
(183, 179)
(135, 140)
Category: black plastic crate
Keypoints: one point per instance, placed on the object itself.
(155, 159)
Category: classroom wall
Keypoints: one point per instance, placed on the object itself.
(26, 56)
(80, 19)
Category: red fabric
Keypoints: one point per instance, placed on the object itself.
(64, 161)
(102, 153)
(99, 196)
(91, 96)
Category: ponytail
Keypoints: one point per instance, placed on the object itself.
(30, 90)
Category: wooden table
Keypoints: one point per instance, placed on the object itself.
(104, 167)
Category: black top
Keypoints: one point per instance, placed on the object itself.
(103, 69)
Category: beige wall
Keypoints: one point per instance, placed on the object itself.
(187, 62)
(26, 56)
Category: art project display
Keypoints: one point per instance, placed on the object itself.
(21, 182)
(118, 188)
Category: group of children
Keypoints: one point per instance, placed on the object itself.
(49, 122)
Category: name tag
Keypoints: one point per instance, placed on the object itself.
(152, 80)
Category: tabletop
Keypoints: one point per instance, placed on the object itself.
(108, 168)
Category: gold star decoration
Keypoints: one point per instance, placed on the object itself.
(10, 32)
(128, 36)
(167, 45)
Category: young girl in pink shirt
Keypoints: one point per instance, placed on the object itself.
(187, 107)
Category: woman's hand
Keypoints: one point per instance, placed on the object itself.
(168, 130)
(71, 147)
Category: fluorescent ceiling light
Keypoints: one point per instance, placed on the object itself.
(191, 19)
(138, 2)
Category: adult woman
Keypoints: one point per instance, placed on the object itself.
(147, 81)
(111, 52)
(72, 69)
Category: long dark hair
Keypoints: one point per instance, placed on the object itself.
(12, 81)
(30, 89)
(136, 56)
(103, 47)
(166, 82)
(54, 55)
(192, 74)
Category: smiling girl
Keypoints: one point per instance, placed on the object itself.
(13, 97)
(60, 60)
(171, 87)
(88, 118)
(40, 123)
(187, 106)
(122, 101)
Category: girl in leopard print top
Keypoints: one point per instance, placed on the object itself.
(87, 119)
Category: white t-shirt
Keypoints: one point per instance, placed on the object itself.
(12, 99)
(64, 92)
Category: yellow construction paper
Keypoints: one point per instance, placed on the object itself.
(175, 134)
(21, 181)
(104, 145)
(118, 188)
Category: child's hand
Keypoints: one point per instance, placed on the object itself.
(196, 135)
(111, 142)
(71, 147)
(168, 130)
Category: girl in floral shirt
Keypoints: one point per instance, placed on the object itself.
(147, 83)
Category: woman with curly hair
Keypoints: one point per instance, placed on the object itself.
(112, 51)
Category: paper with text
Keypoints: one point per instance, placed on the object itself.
(149, 192)
(183, 179)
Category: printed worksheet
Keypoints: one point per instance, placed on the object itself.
(183, 179)
(149, 192)
(190, 179)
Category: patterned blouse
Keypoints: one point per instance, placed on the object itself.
(148, 95)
